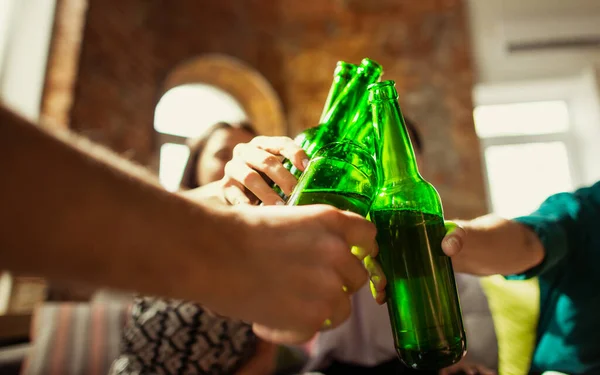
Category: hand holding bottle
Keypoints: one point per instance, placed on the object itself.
(294, 269)
(452, 245)
(244, 180)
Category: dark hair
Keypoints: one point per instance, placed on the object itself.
(189, 180)
(414, 135)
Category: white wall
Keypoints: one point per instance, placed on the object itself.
(24, 53)
(6, 10)
(496, 24)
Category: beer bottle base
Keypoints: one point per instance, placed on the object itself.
(435, 359)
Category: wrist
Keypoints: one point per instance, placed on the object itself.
(214, 272)
(211, 193)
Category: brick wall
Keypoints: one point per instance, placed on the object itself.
(130, 46)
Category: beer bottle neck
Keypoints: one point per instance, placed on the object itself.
(337, 120)
(395, 153)
(361, 130)
(347, 100)
(344, 72)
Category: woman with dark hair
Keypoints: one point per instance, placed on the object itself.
(210, 152)
(174, 337)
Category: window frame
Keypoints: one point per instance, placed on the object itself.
(564, 89)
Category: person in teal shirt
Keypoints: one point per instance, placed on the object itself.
(568, 225)
(560, 244)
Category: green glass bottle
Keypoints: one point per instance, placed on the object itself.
(342, 75)
(335, 122)
(342, 113)
(422, 296)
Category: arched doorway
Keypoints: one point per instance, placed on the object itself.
(203, 91)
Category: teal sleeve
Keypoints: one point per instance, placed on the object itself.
(564, 224)
(554, 239)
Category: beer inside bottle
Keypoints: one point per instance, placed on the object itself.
(340, 175)
(422, 298)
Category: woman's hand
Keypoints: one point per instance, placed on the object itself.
(247, 175)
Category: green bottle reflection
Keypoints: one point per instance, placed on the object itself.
(422, 298)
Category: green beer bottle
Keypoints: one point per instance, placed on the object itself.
(342, 174)
(422, 297)
(335, 122)
(343, 73)
(342, 113)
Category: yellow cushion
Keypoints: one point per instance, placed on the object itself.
(515, 307)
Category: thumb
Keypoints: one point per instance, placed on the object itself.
(453, 242)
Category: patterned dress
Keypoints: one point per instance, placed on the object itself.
(167, 337)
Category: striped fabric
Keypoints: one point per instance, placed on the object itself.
(75, 338)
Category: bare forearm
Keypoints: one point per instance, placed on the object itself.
(494, 245)
(71, 210)
(212, 192)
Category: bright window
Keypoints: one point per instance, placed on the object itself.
(526, 152)
(173, 157)
(521, 118)
(186, 112)
(521, 176)
(6, 21)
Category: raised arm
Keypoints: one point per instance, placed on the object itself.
(72, 210)
(492, 245)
